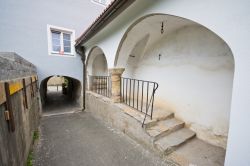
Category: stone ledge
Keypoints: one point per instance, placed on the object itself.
(114, 114)
(14, 66)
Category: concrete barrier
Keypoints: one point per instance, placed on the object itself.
(112, 113)
(19, 108)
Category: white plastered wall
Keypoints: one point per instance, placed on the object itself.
(96, 65)
(99, 66)
(195, 76)
(229, 20)
(96, 62)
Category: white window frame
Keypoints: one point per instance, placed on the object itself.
(99, 2)
(50, 28)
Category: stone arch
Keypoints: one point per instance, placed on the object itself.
(73, 92)
(193, 66)
(96, 65)
(137, 22)
(96, 62)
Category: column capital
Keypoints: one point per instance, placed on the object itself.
(116, 71)
(116, 74)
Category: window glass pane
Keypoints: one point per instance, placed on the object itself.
(66, 36)
(61, 40)
(55, 35)
(56, 48)
(67, 43)
(55, 42)
(67, 49)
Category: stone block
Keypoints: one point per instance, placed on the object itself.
(14, 66)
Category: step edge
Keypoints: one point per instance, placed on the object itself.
(169, 131)
(172, 128)
(155, 121)
(192, 135)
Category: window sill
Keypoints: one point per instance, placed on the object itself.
(62, 55)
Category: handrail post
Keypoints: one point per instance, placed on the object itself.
(116, 74)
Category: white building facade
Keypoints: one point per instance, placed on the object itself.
(44, 33)
(197, 52)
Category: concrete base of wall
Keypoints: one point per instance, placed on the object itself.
(116, 115)
(112, 113)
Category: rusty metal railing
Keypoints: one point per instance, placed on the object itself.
(100, 85)
(139, 94)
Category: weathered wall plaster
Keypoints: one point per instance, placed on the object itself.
(229, 20)
(195, 76)
(99, 66)
(22, 31)
(104, 109)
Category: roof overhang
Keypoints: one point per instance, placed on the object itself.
(111, 12)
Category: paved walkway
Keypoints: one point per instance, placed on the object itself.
(78, 139)
(59, 103)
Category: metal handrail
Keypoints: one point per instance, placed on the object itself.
(101, 85)
(134, 92)
(151, 100)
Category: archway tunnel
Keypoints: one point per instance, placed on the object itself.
(60, 93)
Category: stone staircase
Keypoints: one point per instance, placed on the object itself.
(166, 132)
(162, 134)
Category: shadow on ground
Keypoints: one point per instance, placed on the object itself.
(79, 139)
(57, 102)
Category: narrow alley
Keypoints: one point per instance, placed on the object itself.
(73, 138)
(58, 103)
(124, 83)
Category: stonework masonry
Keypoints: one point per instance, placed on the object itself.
(13, 66)
(116, 83)
(24, 105)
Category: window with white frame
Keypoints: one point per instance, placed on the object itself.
(102, 2)
(60, 41)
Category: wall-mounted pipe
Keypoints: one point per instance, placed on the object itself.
(81, 51)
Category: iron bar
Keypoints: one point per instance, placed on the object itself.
(138, 83)
(152, 106)
(123, 90)
(133, 92)
(129, 91)
(142, 95)
(126, 90)
(105, 86)
(142, 91)
(147, 93)
(101, 85)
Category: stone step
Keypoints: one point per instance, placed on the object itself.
(161, 114)
(170, 142)
(160, 117)
(158, 113)
(163, 128)
(139, 116)
(152, 122)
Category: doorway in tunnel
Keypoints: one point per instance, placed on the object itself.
(60, 94)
